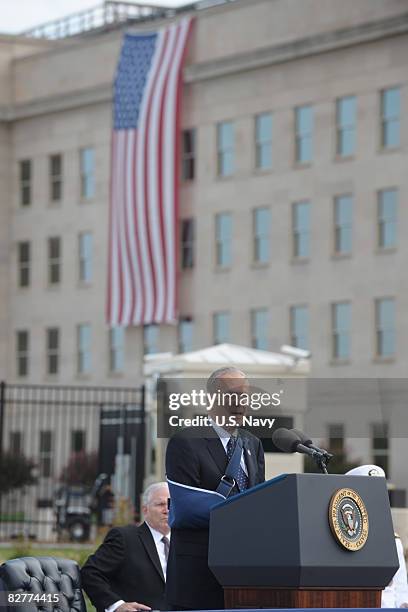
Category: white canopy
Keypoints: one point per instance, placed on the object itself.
(252, 361)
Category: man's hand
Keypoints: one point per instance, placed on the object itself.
(131, 606)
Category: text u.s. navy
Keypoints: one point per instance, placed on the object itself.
(222, 421)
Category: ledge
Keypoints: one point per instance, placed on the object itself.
(259, 58)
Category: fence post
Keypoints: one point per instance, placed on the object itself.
(2, 411)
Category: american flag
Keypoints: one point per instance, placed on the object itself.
(142, 267)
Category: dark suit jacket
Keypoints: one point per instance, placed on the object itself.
(126, 566)
(201, 462)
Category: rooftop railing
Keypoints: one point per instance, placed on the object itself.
(110, 14)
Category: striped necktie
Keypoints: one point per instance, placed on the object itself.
(241, 478)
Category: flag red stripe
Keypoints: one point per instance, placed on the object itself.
(143, 245)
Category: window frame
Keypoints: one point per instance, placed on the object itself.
(54, 263)
(382, 223)
(223, 151)
(223, 244)
(293, 334)
(52, 352)
(116, 347)
(187, 246)
(261, 237)
(84, 350)
(87, 175)
(385, 121)
(336, 332)
(25, 183)
(379, 331)
(216, 318)
(341, 129)
(188, 157)
(22, 354)
(301, 136)
(338, 228)
(23, 266)
(254, 324)
(260, 143)
(296, 255)
(55, 179)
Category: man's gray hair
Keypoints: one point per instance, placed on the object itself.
(151, 489)
(212, 382)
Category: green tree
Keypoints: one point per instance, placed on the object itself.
(16, 471)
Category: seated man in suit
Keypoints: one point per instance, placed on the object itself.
(128, 571)
(199, 459)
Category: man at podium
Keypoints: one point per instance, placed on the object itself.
(219, 458)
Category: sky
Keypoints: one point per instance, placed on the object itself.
(18, 15)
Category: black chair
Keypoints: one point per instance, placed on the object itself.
(42, 576)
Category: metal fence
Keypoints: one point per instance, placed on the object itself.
(54, 442)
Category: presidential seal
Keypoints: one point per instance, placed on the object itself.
(348, 519)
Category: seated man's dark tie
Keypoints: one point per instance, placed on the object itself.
(241, 478)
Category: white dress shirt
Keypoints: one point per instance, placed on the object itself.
(396, 593)
(224, 436)
(157, 537)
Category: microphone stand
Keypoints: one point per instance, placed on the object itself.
(321, 460)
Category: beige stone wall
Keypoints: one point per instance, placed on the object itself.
(5, 269)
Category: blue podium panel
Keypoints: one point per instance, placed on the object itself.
(278, 535)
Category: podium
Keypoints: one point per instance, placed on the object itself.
(305, 541)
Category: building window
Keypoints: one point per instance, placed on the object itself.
(189, 154)
(221, 327)
(84, 348)
(259, 329)
(45, 463)
(261, 228)
(55, 162)
(116, 349)
(16, 443)
(185, 335)
(380, 445)
(25, 182)
(387, 205)
(390, 117)
(87, 161)
(343, 214)
(341, 324)
(335, 434)
(263, 141)
(346, 126)
(223, 240)
(24, 263)
(151, 339)
(187, 243)
(53, 347)
(225, 148)
(385, 327)
(78, 440)
(301, 229)
(54, 260)
(85, 257)
(304, 134)
(22, 352)
(299, 327)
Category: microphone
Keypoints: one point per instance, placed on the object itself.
(309, 443)
(288, 441)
